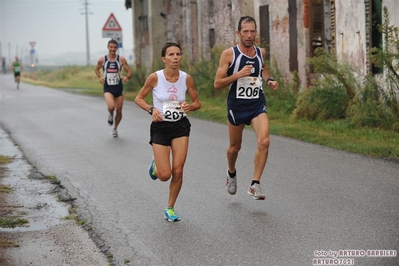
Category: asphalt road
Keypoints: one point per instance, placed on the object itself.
(318, 200)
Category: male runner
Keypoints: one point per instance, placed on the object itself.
(113, 88)
(242, 68)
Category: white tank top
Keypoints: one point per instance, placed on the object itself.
(167, 97)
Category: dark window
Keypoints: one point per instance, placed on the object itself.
(211, 37)
(264, 18)
(376, 35)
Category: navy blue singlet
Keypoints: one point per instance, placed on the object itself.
(112, 75)
(246, 94)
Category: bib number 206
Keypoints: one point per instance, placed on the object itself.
(248, 92)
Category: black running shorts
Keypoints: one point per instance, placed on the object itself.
(164, 132)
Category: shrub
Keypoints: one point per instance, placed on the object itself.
(326, 101)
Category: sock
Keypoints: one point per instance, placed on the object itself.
(232, 175)
(254, 182)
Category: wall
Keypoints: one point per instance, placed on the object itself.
(351, 33)
(189, 23)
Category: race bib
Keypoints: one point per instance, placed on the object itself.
(113, 78)
(172, 111)
(248, 88)
(17, 69)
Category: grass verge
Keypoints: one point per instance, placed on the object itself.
(336, 134)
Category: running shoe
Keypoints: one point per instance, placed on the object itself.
(115, 133)
(256, 192)
(151, 170)
(110, 119)
(170, 215)
(231, 184)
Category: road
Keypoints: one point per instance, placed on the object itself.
(318, 200)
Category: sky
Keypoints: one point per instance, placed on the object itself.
(58, 27)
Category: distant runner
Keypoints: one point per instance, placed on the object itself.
(113, 88)
(17, 67)
(3, 65)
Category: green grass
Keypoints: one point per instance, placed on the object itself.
(5, 189)
(12, 222)
(337, 134)
(6, 243)
(5, 159)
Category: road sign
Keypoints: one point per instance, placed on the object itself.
(120, 41)
(32, 44)
(112, 34)
(111, 28)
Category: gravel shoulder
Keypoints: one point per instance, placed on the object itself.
(49, 238)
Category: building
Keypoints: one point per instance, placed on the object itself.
(290, 30)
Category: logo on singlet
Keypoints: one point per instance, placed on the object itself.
(172, 89)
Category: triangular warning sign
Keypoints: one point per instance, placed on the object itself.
(112, 24)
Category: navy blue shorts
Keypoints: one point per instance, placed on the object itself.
(238, 118)
(116, 92)
(164, 132)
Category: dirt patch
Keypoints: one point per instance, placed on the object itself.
(47, 238)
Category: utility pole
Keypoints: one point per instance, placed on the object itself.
(87, 32)
(9, 53)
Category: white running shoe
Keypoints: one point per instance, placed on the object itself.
(231, 184)
(256, 192)
(110, 119)
(115, 133)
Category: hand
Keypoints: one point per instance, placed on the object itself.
(273, 84)
(185, 106)
(156, 115)
(102, 80)
(246, 71)
(125, 79)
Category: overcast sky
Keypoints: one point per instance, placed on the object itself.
(59, 26)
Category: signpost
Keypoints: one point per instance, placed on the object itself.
(32, 53)
(113, 30)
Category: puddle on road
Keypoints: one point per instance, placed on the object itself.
(33, 196)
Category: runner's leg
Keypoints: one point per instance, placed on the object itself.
(179, 155)
(235, 137)
(260, 124)
(119, 106)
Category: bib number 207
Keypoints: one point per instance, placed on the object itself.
(173, 115)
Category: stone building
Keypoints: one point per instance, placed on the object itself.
(290, 30)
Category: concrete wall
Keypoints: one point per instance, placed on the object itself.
(351, 33)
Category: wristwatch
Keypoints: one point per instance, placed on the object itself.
(150, 110)
(269, 79)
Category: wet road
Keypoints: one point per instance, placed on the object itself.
(318, 200)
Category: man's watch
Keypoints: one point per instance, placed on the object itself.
(150, 110)
(269, 79)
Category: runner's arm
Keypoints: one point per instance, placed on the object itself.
(97, 69)
(221, 79)
(127, 69)
(192, 92)
(266, 74)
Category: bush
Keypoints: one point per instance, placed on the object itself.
(326, 101)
